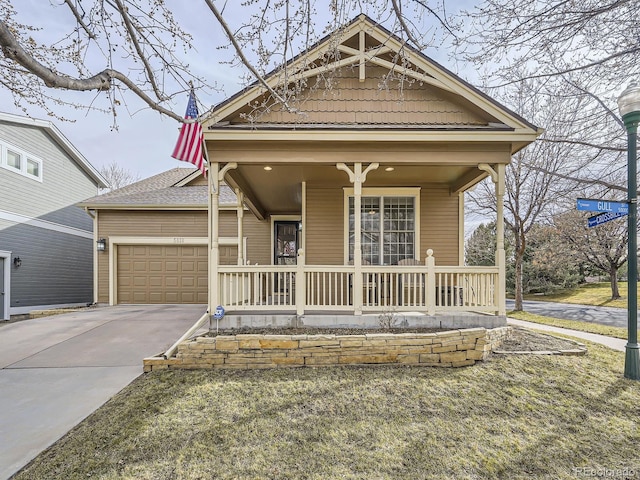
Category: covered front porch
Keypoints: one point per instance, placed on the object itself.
(399, 278)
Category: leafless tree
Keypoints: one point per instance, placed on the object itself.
(534, 186)
(125, 49)
(603, 247)
(117, 176)
(552, 38)
(587, 50)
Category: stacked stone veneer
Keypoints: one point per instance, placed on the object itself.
(455, 348)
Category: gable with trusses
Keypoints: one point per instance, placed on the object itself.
(365, 77)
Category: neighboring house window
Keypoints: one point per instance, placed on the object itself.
(13, 159)
(18, 161)
(389, 228)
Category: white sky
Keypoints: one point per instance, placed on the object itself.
(144, 140)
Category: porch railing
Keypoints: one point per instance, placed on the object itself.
(424, 288)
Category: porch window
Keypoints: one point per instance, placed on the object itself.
(388, 229)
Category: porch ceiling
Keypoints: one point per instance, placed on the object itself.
(278, 191)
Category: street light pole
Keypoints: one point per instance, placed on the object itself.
(629, 105)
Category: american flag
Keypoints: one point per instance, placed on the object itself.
(189, 145)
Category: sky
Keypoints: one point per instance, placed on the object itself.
(144, 139)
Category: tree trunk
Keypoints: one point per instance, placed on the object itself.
(518, 281)
(613, 275)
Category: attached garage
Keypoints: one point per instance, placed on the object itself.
(161, 274)
(155, 237)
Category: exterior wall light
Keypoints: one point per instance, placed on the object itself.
(17, 261)
(101, 245)
(629, 105)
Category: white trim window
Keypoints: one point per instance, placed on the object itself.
(389, 227)
(19, 161)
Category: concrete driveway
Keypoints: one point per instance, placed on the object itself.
(55, 371)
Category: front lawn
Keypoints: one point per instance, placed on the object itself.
(607, 330)
(598, 294)
(510, 417)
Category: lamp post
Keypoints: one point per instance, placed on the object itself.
(629, 105)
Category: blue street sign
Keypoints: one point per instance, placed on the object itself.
(592, 205)
(603, 218)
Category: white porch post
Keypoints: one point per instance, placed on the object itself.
(240, 211)
(357, 177)
(498, 178)
(430, 262)
(301, 284)
(500, 255)
(214, 205)
(357, 244)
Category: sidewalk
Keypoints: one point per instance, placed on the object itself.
(614, 343)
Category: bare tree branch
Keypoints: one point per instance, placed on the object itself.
(102, 81)
(143, 58)
(243, 58)
(79, 19)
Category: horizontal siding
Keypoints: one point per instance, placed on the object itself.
(177, 224)
(64, 182)
(325, 226)
(439, 224)
(258, 235)
(71, 216)
(57, 268)
(139, 223)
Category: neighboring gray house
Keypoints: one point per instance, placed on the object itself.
(46, 242)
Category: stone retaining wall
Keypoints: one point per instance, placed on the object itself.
(455, 348)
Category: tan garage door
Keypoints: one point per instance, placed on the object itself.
(162, 274)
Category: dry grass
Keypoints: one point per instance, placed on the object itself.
(507, 418)
(598, 294)
(609, 331)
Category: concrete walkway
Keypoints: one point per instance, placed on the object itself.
(55, 371)
(614, 343)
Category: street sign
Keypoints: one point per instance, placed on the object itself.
(594, 205)
(603, 218)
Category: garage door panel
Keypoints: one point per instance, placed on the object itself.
(162, 274)
(155, 266)
(140, 251)
(139, 266)
(187, 267)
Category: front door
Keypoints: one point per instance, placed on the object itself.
(285, 242)
(285, 252)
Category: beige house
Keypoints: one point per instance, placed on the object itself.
(371, 126)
